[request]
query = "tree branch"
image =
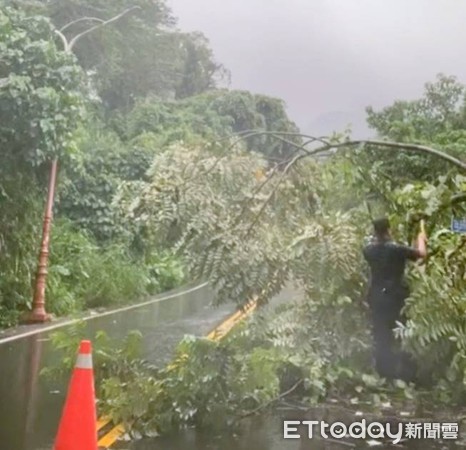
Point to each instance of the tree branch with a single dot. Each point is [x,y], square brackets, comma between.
[326,147]
[82,19]
[329,146]
[458,198]
[394,145]
[274,190]
[265,405]
[102,24]
[258,189]
[319,139]
[63,39]
[281,133]
[290,143]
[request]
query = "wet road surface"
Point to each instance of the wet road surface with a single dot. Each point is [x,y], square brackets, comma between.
[266,433]
[30,406]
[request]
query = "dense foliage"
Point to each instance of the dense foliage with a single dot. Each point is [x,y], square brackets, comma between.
[73,87]
[319,342]
[437,119]
[45,94]
[212,115]
[41,98]
[154,187]
[252,229]
[167,63]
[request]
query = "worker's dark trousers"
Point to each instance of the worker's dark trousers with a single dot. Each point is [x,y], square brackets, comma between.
[386,305]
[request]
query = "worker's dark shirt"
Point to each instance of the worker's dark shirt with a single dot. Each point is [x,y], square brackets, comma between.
[387,261]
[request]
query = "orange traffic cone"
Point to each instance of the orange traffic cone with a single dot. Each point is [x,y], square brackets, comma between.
[78,425]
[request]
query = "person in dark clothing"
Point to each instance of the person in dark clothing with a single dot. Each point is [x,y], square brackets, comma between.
[386,297]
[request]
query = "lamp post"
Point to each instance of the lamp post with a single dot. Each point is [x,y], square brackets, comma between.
[38,313]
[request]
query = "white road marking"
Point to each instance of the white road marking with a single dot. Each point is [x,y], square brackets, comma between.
[106,313]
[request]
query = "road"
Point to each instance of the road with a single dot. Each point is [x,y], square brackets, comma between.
[30,405]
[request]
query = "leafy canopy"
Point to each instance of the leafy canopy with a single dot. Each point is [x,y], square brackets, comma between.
[41,91]
[437,119]
[141,55]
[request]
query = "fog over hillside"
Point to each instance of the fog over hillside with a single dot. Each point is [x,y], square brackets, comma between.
[330,59]
[339,121]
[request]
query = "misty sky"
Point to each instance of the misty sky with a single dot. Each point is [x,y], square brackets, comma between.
[329,59]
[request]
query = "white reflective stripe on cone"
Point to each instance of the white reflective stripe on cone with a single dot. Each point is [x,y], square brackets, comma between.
[84,362]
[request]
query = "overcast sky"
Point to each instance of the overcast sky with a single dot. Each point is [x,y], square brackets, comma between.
[329,59]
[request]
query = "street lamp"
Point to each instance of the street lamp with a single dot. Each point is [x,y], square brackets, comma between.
[38,313]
